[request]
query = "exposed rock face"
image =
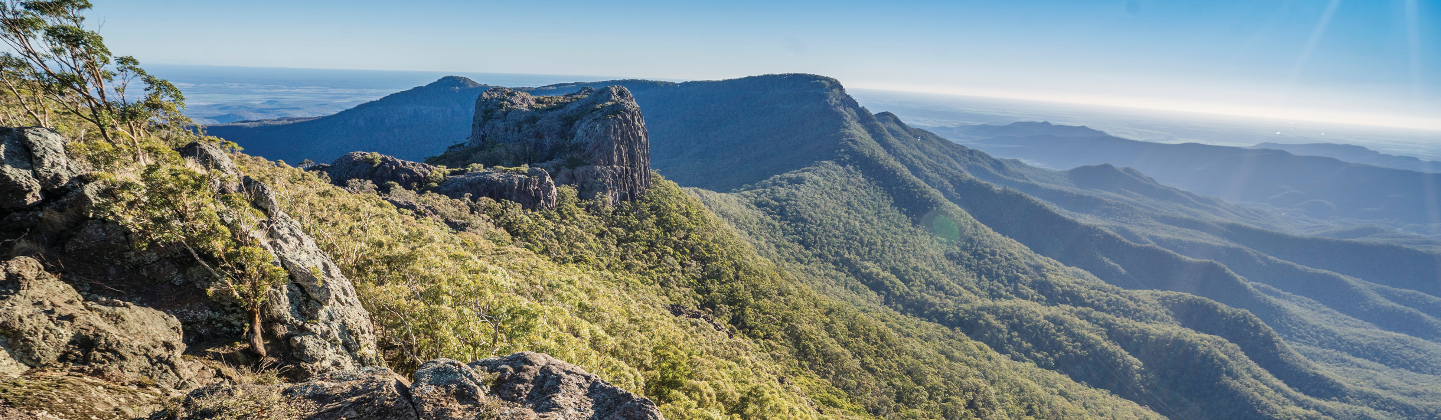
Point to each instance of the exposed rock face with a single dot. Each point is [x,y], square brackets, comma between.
[379,169]
[44,322]
[593,139]
[368,393]
[548,388]
[33,165]
[533,189]
[316,320]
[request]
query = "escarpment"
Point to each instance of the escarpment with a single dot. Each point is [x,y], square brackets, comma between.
[593,139]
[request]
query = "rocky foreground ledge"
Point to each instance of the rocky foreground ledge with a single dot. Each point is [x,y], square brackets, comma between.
[519,386]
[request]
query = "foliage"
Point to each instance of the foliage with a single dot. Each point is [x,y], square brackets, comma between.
[58,62]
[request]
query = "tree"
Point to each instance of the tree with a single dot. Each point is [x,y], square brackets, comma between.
[72,68]
[172,205]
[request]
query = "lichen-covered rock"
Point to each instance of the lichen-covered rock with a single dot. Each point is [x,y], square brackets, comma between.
[44,322]
[447,389]
[211,156]
[552,389]
[533,189]
[316,320]
[367,393]
[32,163]
[379,169]
[594,139]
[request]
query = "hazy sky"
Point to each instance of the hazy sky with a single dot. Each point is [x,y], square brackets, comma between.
[1364,61]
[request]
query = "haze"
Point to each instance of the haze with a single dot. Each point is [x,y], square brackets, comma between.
[1371,62]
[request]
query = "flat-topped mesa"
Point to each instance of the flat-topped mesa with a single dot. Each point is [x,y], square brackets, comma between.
[593,139]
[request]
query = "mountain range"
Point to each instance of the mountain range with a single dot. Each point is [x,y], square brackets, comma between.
[1189,305]
[1355,154]
[1329,190]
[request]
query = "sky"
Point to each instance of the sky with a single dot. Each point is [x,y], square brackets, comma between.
[1375,62]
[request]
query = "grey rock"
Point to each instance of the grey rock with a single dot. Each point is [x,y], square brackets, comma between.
[44,322]
[367,393]
[447,389]
[32,163]
[316,320]
[594,139]
[533,189]
[553,389]
[213,157]
[379,169]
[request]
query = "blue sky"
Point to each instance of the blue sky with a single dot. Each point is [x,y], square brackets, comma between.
[1364,61]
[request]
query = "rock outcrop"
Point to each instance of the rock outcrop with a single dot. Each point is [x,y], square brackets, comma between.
[521,386]
[379,169]
[316,320]
[593,139]
[33,166]
[45,323]
[532,189]
[543,387]
[315,323]
[368,393]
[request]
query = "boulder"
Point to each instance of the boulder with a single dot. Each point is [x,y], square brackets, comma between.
[533,189]
[44,322]
[367,393]
[316,320]
[379,169]
[544,387]
[445,389]
[33,166]
[594,139]
[211,156]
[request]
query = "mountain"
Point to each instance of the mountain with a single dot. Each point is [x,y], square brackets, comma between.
[1313,186]
[1355,154]
[411,125]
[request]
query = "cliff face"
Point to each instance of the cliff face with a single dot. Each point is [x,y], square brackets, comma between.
[593,139]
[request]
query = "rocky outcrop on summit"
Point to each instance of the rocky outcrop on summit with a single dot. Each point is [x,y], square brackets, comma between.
[593,139]
[532,189]
[45,323]
[379,169]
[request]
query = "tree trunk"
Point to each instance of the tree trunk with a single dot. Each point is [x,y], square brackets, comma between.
[257,342]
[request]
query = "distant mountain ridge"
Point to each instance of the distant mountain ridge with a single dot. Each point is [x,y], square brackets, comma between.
[446,107]
[1355,154]
[1023,128]
[1317,186]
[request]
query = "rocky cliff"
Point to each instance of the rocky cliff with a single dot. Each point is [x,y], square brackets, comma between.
[593,139]
[532,188]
